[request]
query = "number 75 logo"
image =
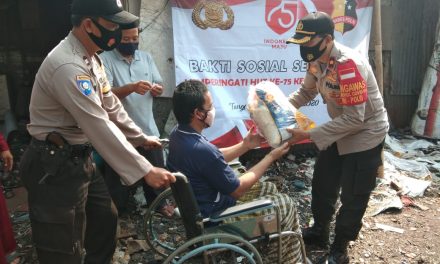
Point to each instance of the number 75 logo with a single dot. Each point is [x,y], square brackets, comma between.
[281,15]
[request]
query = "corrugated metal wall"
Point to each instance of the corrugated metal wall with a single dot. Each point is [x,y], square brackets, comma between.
[413,25]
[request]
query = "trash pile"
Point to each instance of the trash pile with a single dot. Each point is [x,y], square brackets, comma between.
[411,169]
[410,166]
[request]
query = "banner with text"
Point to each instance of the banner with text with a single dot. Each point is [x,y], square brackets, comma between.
[232,44]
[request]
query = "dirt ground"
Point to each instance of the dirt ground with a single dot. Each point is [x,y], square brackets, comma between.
[418,243]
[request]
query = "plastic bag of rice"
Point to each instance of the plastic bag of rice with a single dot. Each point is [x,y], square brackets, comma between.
[272,113]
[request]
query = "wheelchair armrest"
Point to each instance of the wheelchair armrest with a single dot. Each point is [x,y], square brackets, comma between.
[241,209]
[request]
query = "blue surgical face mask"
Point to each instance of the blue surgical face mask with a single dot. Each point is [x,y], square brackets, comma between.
[128,49]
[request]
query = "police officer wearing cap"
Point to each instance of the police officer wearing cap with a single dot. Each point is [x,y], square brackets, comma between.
[72,108]
[350,143]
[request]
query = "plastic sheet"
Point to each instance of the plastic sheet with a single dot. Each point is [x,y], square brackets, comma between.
[408,149]
[410,167]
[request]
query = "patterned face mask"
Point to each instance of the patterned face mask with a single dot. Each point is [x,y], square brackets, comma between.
[109,38]
[309,54]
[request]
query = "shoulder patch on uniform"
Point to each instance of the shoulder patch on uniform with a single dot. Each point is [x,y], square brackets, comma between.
[331,64]
[352,85]
[84,84]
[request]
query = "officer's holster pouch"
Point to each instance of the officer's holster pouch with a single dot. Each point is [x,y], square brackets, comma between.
[55,151]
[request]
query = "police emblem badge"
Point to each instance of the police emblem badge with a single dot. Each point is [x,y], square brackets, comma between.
[84,84]
[300,26]
[214,15]
[344,15]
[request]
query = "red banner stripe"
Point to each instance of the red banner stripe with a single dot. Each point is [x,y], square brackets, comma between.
[189,4]
[228,139]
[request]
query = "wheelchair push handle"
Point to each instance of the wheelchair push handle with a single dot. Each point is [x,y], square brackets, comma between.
[180,177]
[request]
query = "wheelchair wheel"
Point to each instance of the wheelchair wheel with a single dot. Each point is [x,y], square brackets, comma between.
[163,234]
[215,248]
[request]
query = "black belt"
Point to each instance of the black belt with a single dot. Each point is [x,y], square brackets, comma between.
[78,150]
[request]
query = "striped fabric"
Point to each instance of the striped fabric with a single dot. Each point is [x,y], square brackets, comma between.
[291,247]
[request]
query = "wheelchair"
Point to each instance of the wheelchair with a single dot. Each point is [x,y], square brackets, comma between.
[216,239]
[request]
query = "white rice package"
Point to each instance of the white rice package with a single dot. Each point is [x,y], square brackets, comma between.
[272,113]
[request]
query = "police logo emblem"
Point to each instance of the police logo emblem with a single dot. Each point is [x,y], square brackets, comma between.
[214,15]
[300,26]
[345,17]
[84,84]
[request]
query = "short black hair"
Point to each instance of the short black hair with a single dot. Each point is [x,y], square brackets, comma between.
[188,95]
[135,24]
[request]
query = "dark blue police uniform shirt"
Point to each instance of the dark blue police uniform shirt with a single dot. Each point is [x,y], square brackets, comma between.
[203,163]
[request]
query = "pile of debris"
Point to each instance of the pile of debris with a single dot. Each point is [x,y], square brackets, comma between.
[411,168]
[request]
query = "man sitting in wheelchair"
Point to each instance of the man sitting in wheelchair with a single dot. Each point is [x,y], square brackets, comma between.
[215,185]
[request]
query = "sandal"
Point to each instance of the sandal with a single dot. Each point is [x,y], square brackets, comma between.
[16,258]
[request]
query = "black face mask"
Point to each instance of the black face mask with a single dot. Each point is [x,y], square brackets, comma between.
[313,53]
[106,37]
[128,49]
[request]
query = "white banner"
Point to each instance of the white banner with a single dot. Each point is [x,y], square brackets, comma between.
[232,44]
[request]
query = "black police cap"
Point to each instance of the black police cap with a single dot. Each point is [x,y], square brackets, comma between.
[108,9]
[313,24]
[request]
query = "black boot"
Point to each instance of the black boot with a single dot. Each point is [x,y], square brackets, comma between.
[317,235]
[338,253]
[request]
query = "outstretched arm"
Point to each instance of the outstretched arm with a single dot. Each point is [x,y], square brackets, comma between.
[250,141]
[248,179]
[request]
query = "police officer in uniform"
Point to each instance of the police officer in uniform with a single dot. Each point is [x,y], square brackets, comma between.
[350,144]
[72,108]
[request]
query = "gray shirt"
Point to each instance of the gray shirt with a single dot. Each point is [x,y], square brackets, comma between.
[71,95]
[121,72]
[354,103]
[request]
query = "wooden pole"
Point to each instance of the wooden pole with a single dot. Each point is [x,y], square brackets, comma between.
[378,45]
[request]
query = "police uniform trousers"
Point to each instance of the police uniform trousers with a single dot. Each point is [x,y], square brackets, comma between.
[291,247]
[69,205]
[352,177]
[120,192]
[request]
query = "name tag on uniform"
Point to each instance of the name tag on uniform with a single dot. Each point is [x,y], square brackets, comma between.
[99,72]
[84,84]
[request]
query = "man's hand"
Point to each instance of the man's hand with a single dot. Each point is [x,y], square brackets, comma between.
[8,160]
[252,139]
[158,177]
[279,152]
[297,135]
[141,87]
[152,142]
[156,89]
